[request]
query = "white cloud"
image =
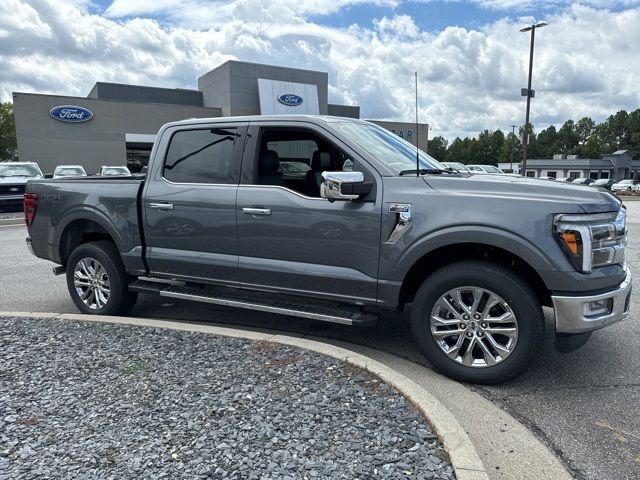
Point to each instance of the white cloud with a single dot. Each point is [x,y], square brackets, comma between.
[586,61]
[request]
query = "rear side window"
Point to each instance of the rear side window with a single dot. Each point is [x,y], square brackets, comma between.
[200,156]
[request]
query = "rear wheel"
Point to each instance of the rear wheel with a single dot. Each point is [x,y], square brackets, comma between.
[97,280]
[477,322]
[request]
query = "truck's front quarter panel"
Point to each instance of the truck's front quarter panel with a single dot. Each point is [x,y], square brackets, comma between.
[521,224]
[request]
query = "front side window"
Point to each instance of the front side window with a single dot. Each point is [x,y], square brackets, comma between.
[200,156]
[387,148]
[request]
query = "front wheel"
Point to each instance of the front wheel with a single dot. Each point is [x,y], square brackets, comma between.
[97,281]
[477,322]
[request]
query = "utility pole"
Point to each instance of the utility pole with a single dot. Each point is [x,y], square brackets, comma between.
[528,93]
[513,136]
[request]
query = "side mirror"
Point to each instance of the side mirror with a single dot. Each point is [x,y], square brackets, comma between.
[343,186]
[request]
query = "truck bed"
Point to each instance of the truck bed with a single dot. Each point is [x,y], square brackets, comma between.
[105,204]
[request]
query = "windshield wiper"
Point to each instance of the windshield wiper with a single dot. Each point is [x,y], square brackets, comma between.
[424,171]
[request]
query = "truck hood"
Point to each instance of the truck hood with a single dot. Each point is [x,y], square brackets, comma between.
[590,199]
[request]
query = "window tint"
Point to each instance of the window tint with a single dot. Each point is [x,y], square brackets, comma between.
[294,150]
[200,156]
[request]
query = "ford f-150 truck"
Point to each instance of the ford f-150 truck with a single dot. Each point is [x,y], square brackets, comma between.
[338,220]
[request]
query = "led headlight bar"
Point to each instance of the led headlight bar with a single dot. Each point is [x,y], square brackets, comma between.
[592,240]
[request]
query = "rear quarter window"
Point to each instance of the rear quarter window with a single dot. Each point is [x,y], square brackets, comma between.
[200,156]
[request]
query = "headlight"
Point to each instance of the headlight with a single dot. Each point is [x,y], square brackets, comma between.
[592,240]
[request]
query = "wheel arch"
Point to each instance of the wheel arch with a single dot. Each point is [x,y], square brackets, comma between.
[80,230]
[443,255]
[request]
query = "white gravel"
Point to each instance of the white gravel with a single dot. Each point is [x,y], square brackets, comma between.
[89,401]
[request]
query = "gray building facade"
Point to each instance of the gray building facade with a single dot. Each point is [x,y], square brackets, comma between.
[123,119]
[617,165]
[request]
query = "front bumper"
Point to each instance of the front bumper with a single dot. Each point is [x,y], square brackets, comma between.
[570,311]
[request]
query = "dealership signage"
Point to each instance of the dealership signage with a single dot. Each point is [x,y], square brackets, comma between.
[71,113]
[290,99]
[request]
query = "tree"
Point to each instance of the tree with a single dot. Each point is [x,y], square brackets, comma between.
[547,142]
[8,144]
[438,148]
[567,137]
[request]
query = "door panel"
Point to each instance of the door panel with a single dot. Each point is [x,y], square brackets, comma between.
[308,245]
[190,227]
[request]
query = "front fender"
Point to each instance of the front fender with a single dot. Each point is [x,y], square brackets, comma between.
[478,234]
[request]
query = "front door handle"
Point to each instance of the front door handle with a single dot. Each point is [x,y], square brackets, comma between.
[161,206]
[262,212]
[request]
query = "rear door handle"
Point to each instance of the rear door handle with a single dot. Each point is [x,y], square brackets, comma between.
[263,212]
[161,206]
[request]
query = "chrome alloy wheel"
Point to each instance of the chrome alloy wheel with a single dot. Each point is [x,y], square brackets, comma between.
[474,326]
[92,283]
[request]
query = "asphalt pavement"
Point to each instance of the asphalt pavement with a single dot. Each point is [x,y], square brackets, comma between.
[584,405]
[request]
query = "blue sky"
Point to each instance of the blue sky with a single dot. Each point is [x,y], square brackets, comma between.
[587,60]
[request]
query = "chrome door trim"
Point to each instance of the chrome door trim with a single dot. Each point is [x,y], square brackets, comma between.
[282,188]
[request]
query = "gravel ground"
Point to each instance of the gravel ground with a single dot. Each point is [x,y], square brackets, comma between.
[84,400]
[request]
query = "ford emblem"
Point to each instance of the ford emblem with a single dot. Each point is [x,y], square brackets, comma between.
[71,113]
[290,99]
[14,189]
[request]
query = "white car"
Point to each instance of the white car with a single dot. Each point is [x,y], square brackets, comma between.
[114,171]
[69,171]
[460,167]
[492,169]
[476,169]
[625,185]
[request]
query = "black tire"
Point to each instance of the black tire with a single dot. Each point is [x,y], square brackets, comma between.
[120,300]
[515,292]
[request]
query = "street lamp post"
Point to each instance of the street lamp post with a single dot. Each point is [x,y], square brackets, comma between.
[529,93]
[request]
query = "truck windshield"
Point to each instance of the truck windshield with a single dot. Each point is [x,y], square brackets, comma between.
[20,170]
[386,147]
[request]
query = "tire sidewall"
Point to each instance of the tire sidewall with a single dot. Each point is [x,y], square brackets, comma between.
[115,274]
[516,293]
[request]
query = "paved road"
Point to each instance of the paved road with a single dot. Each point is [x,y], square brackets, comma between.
[585,405]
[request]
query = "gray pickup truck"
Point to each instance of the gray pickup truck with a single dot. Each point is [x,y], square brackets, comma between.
[329,218]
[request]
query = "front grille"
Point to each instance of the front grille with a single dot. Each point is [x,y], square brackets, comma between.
[11,189]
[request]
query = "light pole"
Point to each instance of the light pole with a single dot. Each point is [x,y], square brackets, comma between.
[528,93]
[426,145]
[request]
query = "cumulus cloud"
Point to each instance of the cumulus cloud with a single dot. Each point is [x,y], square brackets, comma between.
[586,60]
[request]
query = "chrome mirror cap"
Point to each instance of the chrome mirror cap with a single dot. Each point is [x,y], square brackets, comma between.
[331,188]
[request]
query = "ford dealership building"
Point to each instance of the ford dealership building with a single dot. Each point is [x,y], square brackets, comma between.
[116,124]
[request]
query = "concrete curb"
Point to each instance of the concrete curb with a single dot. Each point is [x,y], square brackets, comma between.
[11,222]
[462,453]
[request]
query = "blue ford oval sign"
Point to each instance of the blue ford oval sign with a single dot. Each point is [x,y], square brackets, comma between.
[71,113]
[290,99]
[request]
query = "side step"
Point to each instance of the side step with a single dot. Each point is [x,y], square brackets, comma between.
[335,314]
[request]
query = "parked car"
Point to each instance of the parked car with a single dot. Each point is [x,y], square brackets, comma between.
[492,169]
[69,171]
[628,185]
[215,221]
[13,179]
[547,178]
[565,179]
[604,183]
[583,181]
[460,167]
[476,169]
[114,171]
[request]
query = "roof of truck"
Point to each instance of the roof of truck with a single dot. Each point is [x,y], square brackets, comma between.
[268,118]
